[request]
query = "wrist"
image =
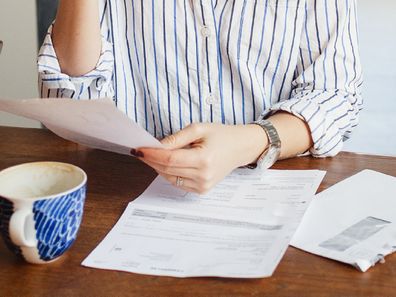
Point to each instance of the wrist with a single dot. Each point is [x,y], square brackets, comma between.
[254,143]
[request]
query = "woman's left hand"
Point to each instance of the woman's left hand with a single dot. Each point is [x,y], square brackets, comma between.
[203,154]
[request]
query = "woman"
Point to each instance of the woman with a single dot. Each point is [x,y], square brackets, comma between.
[200,74]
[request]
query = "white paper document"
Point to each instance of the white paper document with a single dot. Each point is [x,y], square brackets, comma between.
[94,123]
[353,221]
[240,229]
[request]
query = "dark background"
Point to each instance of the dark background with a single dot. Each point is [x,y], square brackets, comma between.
[46,10]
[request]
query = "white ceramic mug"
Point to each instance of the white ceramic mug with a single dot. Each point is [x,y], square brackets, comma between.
[41,208]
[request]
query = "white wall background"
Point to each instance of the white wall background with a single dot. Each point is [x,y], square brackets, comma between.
[375,134]
[18,74]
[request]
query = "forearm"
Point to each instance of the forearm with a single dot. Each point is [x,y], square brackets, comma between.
[76,36]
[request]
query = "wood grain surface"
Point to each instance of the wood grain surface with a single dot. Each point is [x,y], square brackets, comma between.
[114,180]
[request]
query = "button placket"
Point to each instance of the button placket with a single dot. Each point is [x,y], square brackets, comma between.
[208,33]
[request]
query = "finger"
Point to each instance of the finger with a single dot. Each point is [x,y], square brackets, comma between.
[175,171]
[186,158]
[184,137]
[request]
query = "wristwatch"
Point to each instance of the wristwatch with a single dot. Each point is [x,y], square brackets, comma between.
[272,151]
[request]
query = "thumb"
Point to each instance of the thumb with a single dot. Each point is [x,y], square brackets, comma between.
[183,137]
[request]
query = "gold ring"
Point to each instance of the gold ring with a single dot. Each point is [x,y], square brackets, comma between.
[179,181]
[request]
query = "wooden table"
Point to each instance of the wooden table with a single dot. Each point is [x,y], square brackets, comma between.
[115,180]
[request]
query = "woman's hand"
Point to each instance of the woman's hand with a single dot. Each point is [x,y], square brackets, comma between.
[203,154]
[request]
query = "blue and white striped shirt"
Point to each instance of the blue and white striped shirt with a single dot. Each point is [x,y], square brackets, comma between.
[168,63]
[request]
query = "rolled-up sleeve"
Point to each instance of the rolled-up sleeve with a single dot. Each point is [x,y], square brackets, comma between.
[54,83]
[327,87]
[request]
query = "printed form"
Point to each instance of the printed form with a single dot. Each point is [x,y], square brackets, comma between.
[240,229]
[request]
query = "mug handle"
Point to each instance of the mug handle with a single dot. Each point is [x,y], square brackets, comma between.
[20,228]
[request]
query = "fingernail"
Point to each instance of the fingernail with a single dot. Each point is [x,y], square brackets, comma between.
[139,154]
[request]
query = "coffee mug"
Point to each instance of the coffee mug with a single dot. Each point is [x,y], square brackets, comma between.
[41,208]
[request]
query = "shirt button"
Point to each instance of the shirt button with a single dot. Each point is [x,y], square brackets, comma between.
[205,31]
[211,99]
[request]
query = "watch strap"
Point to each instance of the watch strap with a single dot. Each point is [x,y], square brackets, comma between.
[271,153]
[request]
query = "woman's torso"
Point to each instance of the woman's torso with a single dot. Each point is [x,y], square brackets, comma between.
[183,61]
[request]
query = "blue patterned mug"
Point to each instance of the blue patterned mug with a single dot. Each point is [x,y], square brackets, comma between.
[41,207]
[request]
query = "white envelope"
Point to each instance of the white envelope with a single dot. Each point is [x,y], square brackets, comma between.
[353,222]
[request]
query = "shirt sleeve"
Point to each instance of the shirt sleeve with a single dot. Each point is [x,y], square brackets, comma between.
[326,90]
[54,83]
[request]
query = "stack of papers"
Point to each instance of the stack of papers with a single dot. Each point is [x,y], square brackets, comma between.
[240,229]
[353,221]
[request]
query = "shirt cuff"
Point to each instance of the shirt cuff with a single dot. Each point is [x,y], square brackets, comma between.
[326,136]
[53,78]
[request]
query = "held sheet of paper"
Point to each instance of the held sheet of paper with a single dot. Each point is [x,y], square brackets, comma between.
[240,229]
[94,123]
